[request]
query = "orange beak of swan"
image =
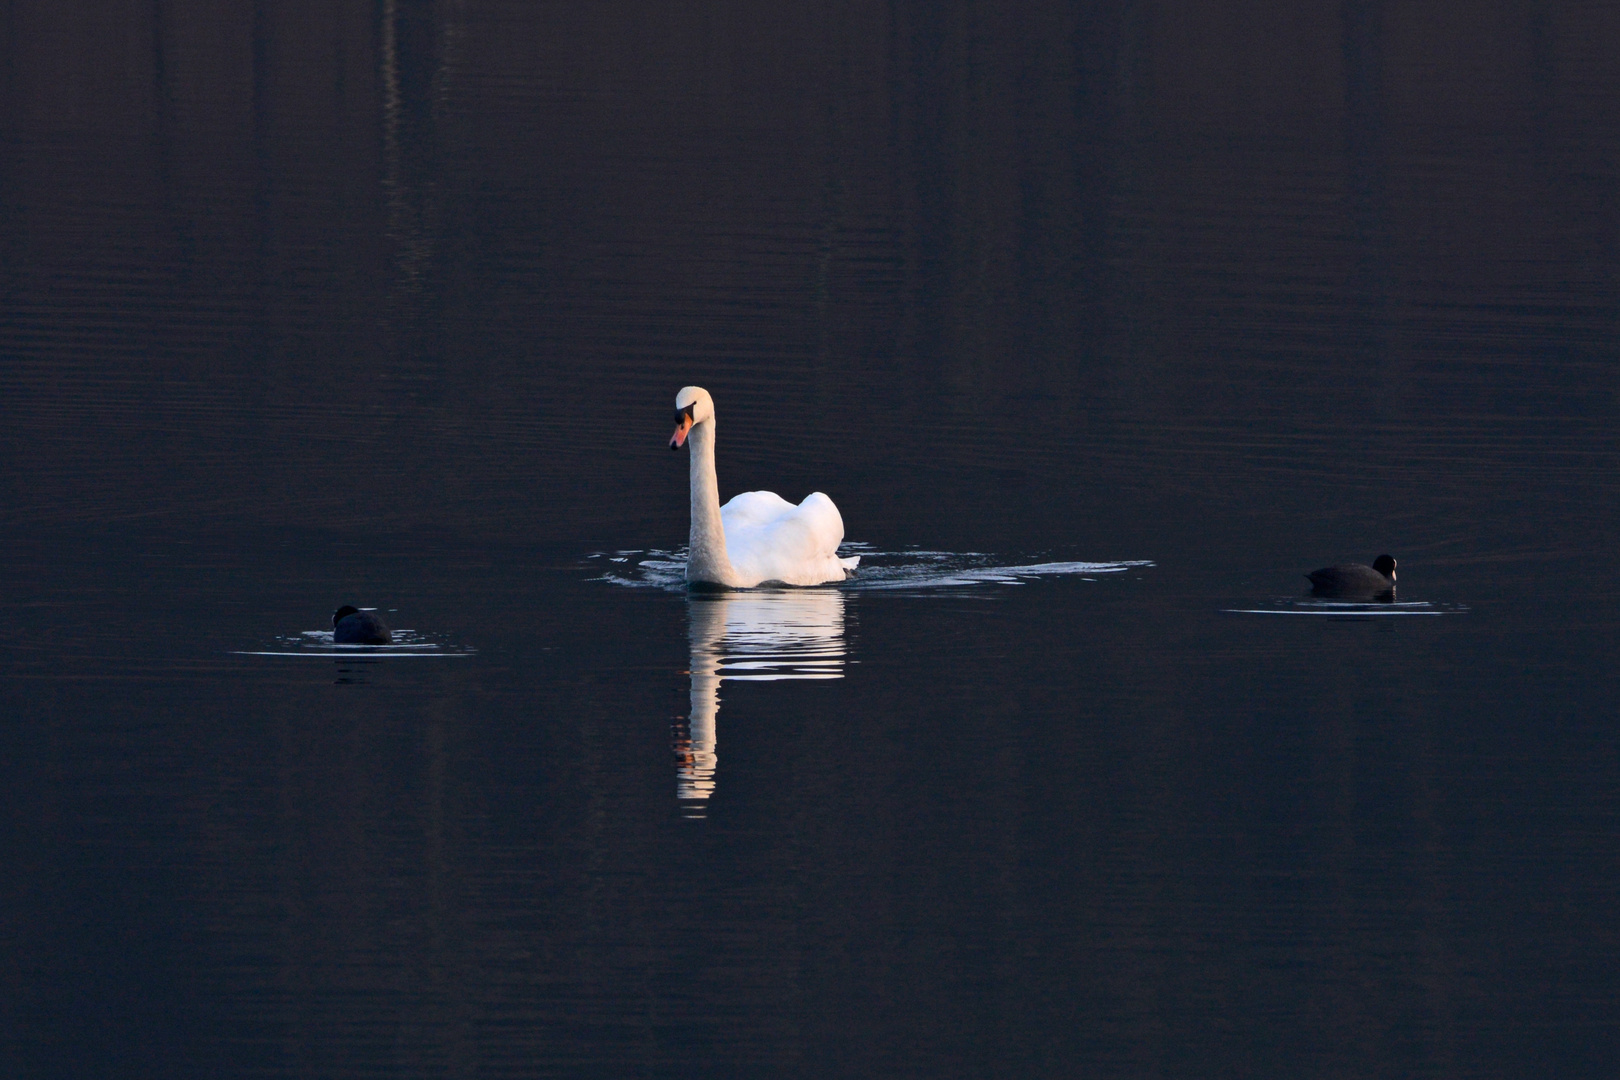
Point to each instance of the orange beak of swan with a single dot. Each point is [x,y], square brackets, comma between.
[682,426]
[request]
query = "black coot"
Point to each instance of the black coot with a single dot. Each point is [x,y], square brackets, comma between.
[1356,579]
[351,626]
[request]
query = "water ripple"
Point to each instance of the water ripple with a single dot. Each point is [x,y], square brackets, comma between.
[911,570]
[319,644]
[1351,608]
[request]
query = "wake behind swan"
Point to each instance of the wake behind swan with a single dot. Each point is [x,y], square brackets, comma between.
[914,570]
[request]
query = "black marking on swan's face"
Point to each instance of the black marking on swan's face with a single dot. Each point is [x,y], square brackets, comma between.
[684,422]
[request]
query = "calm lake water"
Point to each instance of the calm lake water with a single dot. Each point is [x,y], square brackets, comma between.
[1101,324]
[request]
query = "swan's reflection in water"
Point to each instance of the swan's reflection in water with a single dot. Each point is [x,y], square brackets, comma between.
[758,636]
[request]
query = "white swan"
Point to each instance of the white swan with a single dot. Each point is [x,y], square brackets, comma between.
[757,536]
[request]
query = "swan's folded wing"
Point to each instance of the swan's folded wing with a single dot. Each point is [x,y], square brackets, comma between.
[797,545]
[752,509]
[824,521]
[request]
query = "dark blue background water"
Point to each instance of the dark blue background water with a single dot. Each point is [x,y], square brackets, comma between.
[388,303]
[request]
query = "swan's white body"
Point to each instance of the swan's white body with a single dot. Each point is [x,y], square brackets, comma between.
[757,536]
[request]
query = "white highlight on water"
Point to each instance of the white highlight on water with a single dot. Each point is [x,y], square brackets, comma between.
[912,571]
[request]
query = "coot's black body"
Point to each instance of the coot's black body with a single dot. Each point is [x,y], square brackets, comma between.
[1356,579]
[351,626]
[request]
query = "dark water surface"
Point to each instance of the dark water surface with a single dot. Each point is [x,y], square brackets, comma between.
[1102,324]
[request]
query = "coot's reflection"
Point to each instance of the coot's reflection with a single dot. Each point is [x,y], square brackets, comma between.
[759,636]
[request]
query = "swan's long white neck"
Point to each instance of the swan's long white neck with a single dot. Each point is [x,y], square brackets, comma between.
[707,559]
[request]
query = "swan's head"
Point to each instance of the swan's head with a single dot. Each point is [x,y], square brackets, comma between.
[1385,565]
[693,406]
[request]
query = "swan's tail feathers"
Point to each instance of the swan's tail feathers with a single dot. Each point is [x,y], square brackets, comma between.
[850,564]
